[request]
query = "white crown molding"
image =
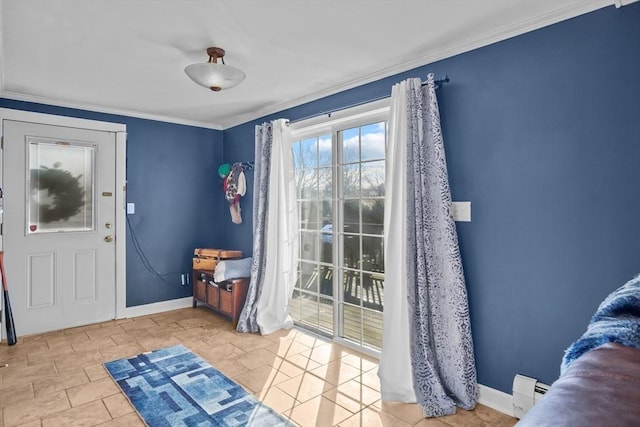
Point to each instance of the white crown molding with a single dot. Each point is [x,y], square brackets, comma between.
[563,13]
[107,110]
[620,3]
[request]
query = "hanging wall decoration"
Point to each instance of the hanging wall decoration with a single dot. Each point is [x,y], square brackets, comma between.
[235,186]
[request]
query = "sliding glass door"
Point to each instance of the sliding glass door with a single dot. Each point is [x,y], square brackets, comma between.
[312,304]
[340,175]
[360,206]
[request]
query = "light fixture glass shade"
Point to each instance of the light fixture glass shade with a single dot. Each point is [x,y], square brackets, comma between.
[214,76]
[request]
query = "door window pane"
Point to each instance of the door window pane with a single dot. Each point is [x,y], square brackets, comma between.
[373,141]
[326,314]
[309,245]
[372,181]
[351,251]
[324,182]
[326,280]
[326,242]
[351,181]
[372,327]
[352,323]
[309,310]
[307,183]
[372,216]
[351,216]
[309,153]
[297,160]
[309,215]
[372,253]
[307,277]
[350,145]
[325,151]
[61,187]
[294,305]
[326,211]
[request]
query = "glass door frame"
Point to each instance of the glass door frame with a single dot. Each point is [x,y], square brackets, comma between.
[316,127]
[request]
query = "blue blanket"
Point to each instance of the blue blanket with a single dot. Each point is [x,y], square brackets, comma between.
[616,320]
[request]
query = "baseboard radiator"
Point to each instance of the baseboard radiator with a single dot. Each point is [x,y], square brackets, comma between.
[526,393]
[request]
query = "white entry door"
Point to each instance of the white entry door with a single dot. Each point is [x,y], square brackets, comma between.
[59,223]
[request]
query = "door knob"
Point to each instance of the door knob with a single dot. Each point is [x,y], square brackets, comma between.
[108,238]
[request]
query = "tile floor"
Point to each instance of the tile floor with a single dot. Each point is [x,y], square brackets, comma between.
[57,379]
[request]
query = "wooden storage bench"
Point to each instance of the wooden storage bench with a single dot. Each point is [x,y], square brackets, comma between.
[226,298]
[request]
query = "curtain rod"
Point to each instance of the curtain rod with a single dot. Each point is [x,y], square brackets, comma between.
[438,83]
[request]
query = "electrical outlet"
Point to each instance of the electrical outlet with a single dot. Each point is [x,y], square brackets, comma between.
[461,211]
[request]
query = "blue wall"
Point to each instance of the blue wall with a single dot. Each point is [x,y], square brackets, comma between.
[542,133]
[543,136]
[171,178]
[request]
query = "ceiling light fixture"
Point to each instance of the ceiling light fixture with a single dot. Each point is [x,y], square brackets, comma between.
[213,75]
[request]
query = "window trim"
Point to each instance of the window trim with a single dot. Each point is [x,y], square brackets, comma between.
[327,123]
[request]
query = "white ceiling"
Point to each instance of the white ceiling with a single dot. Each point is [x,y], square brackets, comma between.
[128,56]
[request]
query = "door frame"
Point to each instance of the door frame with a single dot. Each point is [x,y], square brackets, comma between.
[120,131]
[356,116]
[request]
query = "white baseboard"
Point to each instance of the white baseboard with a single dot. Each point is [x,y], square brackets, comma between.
[158,307]
[495,399]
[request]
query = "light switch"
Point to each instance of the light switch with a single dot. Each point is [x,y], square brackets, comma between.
[461,211]
[131,208]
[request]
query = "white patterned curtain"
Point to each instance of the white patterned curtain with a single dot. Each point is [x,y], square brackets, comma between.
[426,316]
[275,233]
[396,380]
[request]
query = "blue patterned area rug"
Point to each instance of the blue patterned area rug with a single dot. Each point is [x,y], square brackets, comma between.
[174,387]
